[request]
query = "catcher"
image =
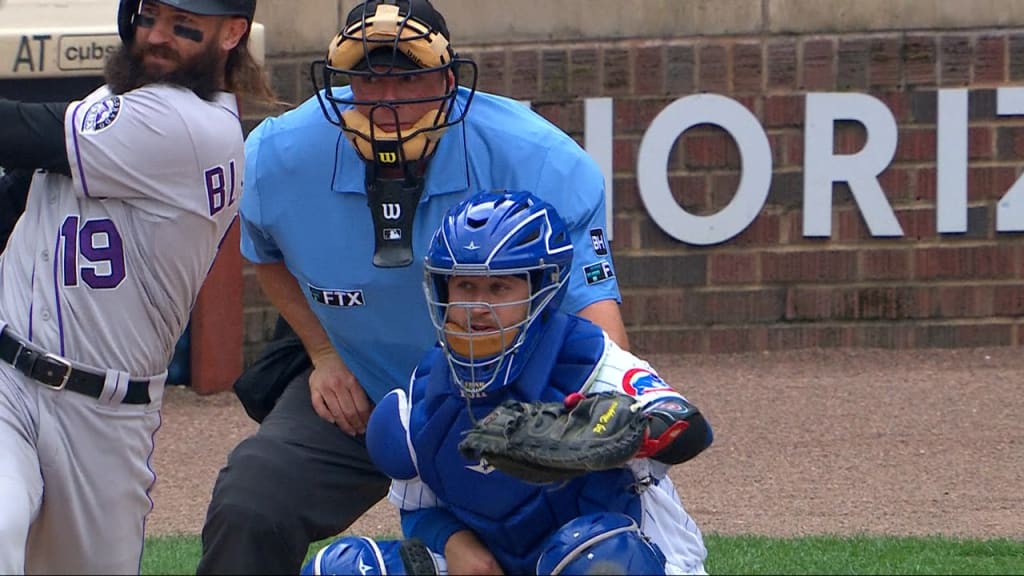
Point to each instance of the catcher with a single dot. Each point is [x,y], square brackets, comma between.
[473,444]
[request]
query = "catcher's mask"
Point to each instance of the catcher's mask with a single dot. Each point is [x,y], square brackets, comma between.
[128,10]
[391,39]
[496,234]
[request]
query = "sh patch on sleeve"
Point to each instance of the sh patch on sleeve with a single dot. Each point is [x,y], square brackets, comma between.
[101,115]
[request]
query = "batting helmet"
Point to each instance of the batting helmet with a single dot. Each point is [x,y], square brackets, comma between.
[390,38]
[497,234]
[128,9]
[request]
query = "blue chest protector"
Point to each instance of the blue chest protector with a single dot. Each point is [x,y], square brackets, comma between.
[512,518]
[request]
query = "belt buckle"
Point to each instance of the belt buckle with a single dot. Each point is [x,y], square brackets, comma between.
[67,371]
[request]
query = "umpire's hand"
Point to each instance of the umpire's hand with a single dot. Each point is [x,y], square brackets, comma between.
[337,396]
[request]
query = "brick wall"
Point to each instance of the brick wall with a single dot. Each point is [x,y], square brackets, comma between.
[771,287]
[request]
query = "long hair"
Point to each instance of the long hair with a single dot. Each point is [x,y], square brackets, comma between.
[245,78]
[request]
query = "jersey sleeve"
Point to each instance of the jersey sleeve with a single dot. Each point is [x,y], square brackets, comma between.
[622,372]
[256,244]
[137,145]
[576,189]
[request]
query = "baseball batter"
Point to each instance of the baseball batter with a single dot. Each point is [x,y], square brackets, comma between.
[100,274]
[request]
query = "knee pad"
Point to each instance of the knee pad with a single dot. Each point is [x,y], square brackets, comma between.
[602,543]
[365,556]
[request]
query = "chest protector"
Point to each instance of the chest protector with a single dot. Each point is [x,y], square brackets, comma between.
[511,517]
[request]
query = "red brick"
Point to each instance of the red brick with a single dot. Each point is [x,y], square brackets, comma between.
[916,145]
[850,137]
[617,72]
[524,73]
[1007,300]
[819,65]
[728,340]
[899,104]
[974,263]
[554,74]
[668,341]
[1016,57]
[808,336]
[782,64]
[584,72]
[885,264]
[794,149]
[825,266]
[920,61]
[820,303]
[691,192]
[954,60]
[891,303]
[963,335]
[722,189]
[980,143]
[713,69]
[852,64]
[649,71]
[624,154]
[962,301]
[897,183]
[764,231]
[624,240]
[989,182]
[990,60]
[627,194]
[887,336]
[747,68]
[492,72]
[783,111]
[850,226]
[886,63]
[664,308]
[681,68]
[917,223]
[925,184]
[734,268]
[1010,142]
[705,150]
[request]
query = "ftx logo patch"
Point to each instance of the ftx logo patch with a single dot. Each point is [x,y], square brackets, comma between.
[598,272]
[337,298]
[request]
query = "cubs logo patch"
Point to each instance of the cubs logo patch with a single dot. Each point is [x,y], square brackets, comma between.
[101,115]
[598,272]
[337,298]
[598,241]
[640,381]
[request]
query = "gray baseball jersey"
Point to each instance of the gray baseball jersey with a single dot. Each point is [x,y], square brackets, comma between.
[103,269]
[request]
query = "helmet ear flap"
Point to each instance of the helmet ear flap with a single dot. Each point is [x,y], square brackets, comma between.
[126,12]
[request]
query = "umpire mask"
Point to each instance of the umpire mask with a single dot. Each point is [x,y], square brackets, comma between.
[387,40]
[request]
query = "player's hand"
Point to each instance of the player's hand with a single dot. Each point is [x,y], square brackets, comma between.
[337,396]
[465,554]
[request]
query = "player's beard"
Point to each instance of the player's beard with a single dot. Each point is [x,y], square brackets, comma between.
[125,70]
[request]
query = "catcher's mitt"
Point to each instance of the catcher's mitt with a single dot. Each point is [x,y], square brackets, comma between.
[551,441]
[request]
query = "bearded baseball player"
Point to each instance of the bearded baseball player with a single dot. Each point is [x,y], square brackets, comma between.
[135,187]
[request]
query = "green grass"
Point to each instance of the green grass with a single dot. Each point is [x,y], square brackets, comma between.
[756,555]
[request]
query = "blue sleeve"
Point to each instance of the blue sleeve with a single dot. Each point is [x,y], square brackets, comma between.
[433,526]
[574,185]
[256,244]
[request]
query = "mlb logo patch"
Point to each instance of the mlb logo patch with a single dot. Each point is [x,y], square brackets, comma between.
[598,272]
[597,239]
[392,233]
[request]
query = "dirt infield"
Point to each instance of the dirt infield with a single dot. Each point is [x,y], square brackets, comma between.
[806,442]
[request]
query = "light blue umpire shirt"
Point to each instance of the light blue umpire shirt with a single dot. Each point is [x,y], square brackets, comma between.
[304,202]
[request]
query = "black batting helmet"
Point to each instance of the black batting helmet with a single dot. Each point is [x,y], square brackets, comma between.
[129,8]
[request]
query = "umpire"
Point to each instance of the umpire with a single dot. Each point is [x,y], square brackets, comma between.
[341,197]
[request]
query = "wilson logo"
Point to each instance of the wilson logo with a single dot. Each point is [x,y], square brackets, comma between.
[387,157]
[391,211]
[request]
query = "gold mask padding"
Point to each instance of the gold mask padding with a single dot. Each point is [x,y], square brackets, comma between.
[419,146]
[348,49]
[473,346]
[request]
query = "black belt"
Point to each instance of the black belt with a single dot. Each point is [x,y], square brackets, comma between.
[57,373]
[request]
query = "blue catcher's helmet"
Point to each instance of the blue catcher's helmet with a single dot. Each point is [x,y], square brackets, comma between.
[600,543]
[496,234]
